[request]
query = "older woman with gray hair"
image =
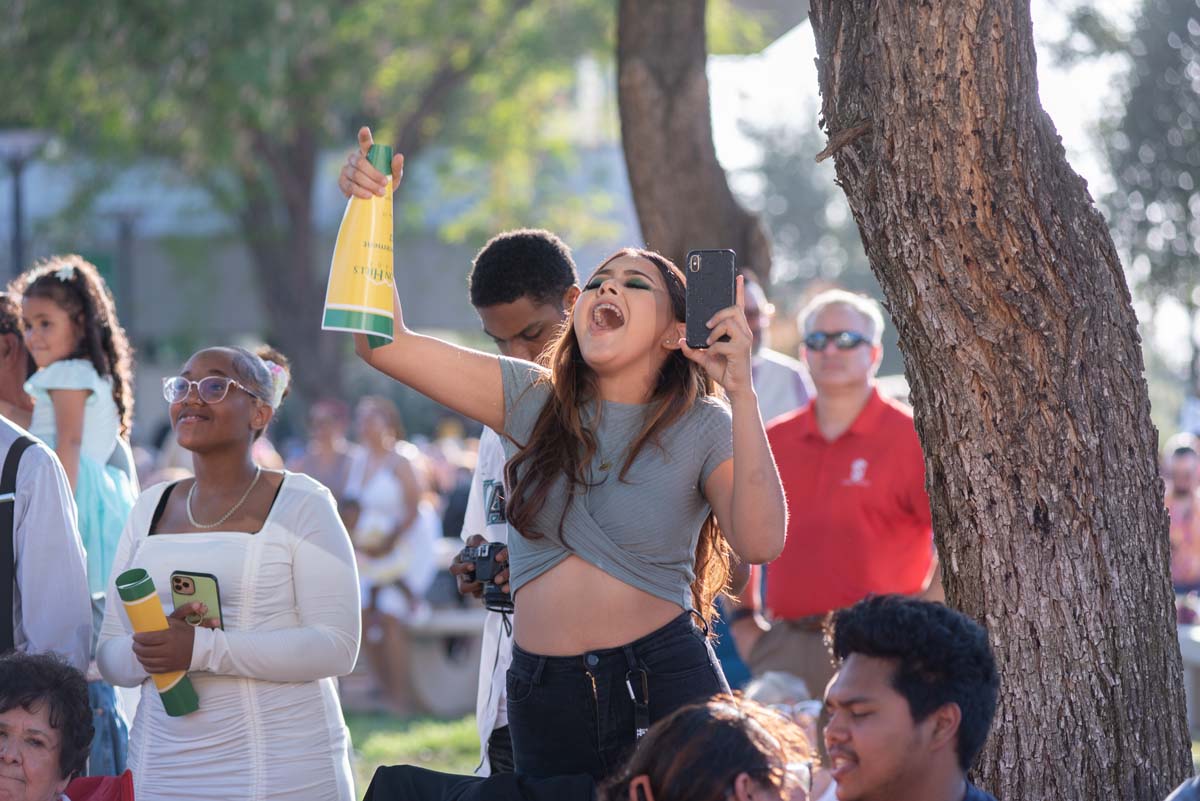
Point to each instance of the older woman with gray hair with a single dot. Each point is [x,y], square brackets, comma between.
[45,726]
[280,620]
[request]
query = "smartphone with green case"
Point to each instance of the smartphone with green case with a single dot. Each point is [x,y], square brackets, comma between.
[187,587]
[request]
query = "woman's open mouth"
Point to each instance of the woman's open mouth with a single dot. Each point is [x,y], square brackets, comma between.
[606,317]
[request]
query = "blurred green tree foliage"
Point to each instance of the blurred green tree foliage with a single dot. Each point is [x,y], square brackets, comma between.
[1153,148]
[812,233]
[245,96]
[815,242]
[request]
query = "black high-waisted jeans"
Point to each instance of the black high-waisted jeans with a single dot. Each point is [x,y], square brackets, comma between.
[574,714]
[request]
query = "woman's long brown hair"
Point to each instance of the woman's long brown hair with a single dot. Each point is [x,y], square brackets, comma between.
[697,752]
[562,445]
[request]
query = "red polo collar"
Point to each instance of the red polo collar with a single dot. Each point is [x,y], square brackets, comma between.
[865,424]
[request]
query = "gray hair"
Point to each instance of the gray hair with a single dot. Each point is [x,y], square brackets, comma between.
[867,307]
[265,374]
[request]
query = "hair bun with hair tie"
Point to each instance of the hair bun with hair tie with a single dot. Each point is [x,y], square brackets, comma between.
[279,382]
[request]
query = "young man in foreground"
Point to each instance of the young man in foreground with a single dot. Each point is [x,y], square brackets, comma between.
[911,704]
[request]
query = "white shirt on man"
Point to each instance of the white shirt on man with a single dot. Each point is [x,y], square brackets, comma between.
[52,610]
[485,516]
[781,383]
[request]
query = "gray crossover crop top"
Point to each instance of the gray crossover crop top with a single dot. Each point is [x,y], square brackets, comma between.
[642,530]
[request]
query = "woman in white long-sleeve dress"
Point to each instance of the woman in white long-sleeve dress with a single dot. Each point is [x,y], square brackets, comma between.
[269,724]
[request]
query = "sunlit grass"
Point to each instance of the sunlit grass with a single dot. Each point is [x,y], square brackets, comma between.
[451,746]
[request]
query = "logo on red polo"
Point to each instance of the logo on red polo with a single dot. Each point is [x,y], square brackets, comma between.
[858,474]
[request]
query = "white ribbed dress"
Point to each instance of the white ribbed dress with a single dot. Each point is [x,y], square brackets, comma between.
[269,725]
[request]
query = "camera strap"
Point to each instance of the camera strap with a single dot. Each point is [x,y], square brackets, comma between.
[8,545]
[638,683]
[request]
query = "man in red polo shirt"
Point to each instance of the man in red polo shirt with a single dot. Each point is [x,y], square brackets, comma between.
[854,476]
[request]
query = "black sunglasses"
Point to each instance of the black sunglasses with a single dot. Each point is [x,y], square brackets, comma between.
[842,340]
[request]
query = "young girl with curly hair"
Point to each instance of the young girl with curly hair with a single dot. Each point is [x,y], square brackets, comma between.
[83,402]
[83,396]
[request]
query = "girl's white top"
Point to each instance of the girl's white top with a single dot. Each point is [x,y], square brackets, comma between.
[101,420]
[269,724]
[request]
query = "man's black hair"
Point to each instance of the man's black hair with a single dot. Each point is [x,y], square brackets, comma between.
[941,655]
[1184,450]
[30,680]
[10,314]
[10,323]
[526,263]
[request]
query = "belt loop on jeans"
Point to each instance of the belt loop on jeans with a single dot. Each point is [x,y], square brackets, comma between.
[703,623]
[537,671]
[638,684]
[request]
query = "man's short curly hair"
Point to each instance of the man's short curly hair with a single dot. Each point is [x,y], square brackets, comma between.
[525,263]
[30,680]
[941,655]
[10,323]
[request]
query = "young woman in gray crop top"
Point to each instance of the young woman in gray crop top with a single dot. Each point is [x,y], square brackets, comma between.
[628,483]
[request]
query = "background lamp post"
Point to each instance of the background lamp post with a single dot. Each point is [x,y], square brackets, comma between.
[17,147]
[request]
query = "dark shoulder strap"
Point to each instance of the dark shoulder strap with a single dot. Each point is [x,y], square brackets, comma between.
[8,552]
[162,507]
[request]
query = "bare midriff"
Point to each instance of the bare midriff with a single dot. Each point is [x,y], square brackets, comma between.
[576,607]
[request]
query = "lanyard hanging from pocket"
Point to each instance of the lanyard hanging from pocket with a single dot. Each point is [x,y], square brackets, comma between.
[637,681]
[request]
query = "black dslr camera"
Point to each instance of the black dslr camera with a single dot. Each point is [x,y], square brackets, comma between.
[484,569]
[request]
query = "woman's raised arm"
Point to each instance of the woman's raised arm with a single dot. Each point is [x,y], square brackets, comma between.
[465,380]
[745,492]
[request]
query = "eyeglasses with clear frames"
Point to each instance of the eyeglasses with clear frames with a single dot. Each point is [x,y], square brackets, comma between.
[210,389]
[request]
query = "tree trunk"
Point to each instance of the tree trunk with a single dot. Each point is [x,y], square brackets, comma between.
[279,232]
[681,194]
[1022,349]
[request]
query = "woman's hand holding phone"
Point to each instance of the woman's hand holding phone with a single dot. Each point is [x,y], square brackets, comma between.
[728,363]
[171,649]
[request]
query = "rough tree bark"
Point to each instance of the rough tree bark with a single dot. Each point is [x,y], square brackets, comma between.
[681,194]
[1022,349]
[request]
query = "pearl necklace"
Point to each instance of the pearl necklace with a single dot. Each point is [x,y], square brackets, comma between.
[227,515]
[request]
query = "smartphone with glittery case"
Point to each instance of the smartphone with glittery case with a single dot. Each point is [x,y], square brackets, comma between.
[187,587]
[710,288]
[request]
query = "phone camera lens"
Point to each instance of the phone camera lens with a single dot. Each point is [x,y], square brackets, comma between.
[694,264]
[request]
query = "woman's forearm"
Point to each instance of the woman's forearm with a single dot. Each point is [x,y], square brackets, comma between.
[465,380]
[759,511]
